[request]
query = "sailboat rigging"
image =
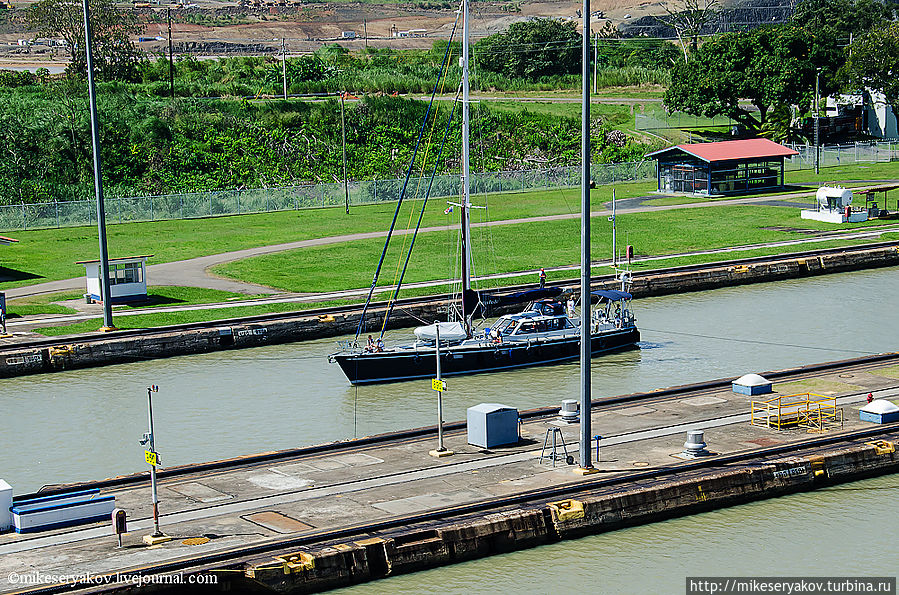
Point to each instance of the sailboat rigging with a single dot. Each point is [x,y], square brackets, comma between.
[545,332]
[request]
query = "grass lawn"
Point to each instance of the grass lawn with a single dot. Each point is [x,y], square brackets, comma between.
[520,247]
[41,304]
[158,296]
[860,171]
[50,254]
[187,316]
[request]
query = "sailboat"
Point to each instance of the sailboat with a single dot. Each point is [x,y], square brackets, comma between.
[546,331]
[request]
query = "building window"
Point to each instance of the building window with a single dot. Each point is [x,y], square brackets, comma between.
[129,272]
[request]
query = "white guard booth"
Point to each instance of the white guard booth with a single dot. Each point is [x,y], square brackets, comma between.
[127,279]
[834,206]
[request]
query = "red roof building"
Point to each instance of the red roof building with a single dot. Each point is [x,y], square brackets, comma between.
[726,167]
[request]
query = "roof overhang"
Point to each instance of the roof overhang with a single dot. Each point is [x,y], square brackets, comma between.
[730,150]
[119,259]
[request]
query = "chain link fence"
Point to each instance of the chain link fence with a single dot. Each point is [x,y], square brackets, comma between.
[845,154]
[263,200]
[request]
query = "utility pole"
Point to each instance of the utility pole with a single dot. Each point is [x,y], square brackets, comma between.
[365,32]
[437,384]
[595,59]
[152,458]
[586,466]
[284,67]
[168,12]
[346,183]
[612,219]
[98,177]
[817,124]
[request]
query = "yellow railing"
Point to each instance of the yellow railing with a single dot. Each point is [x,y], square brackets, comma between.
[804,410]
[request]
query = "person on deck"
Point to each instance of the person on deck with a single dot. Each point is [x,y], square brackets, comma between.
[371,344]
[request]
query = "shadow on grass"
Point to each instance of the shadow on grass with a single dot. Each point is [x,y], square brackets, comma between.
[14,275]
[156,300]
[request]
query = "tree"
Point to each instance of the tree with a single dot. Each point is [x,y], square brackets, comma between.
[769,67]
[689,21]
[532,49]
[840,19]
[874,62]
[115,55]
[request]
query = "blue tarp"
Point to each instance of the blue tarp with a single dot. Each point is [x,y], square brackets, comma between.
[610,295]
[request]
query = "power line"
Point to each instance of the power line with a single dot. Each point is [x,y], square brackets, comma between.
[756,342]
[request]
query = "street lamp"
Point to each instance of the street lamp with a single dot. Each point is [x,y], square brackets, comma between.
[98,179]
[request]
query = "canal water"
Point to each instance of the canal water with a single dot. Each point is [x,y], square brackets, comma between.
[85,424]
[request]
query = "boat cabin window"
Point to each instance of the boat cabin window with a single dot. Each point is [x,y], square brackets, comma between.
[504,326]
[548,308]
[526,327]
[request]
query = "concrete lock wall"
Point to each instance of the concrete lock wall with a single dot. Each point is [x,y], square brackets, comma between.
[90,351]
[339,564]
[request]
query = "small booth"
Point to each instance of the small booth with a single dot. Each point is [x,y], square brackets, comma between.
[721,168]
[127,279]
[834,205]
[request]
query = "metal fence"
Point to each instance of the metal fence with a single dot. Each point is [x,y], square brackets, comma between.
[263,200]
[845,154]
[653,119]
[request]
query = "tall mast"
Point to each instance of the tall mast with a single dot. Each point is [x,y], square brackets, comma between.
[466,179]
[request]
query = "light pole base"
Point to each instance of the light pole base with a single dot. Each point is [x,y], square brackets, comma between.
[441,453]
[107,329]
[586,470]
[156,539]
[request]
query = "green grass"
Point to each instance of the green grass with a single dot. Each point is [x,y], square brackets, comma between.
[168,295]
[861,171]
[158,296]
[520,247]
[50,254]
[184,317]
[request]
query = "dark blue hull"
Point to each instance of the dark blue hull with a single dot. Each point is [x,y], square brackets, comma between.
[409,364]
